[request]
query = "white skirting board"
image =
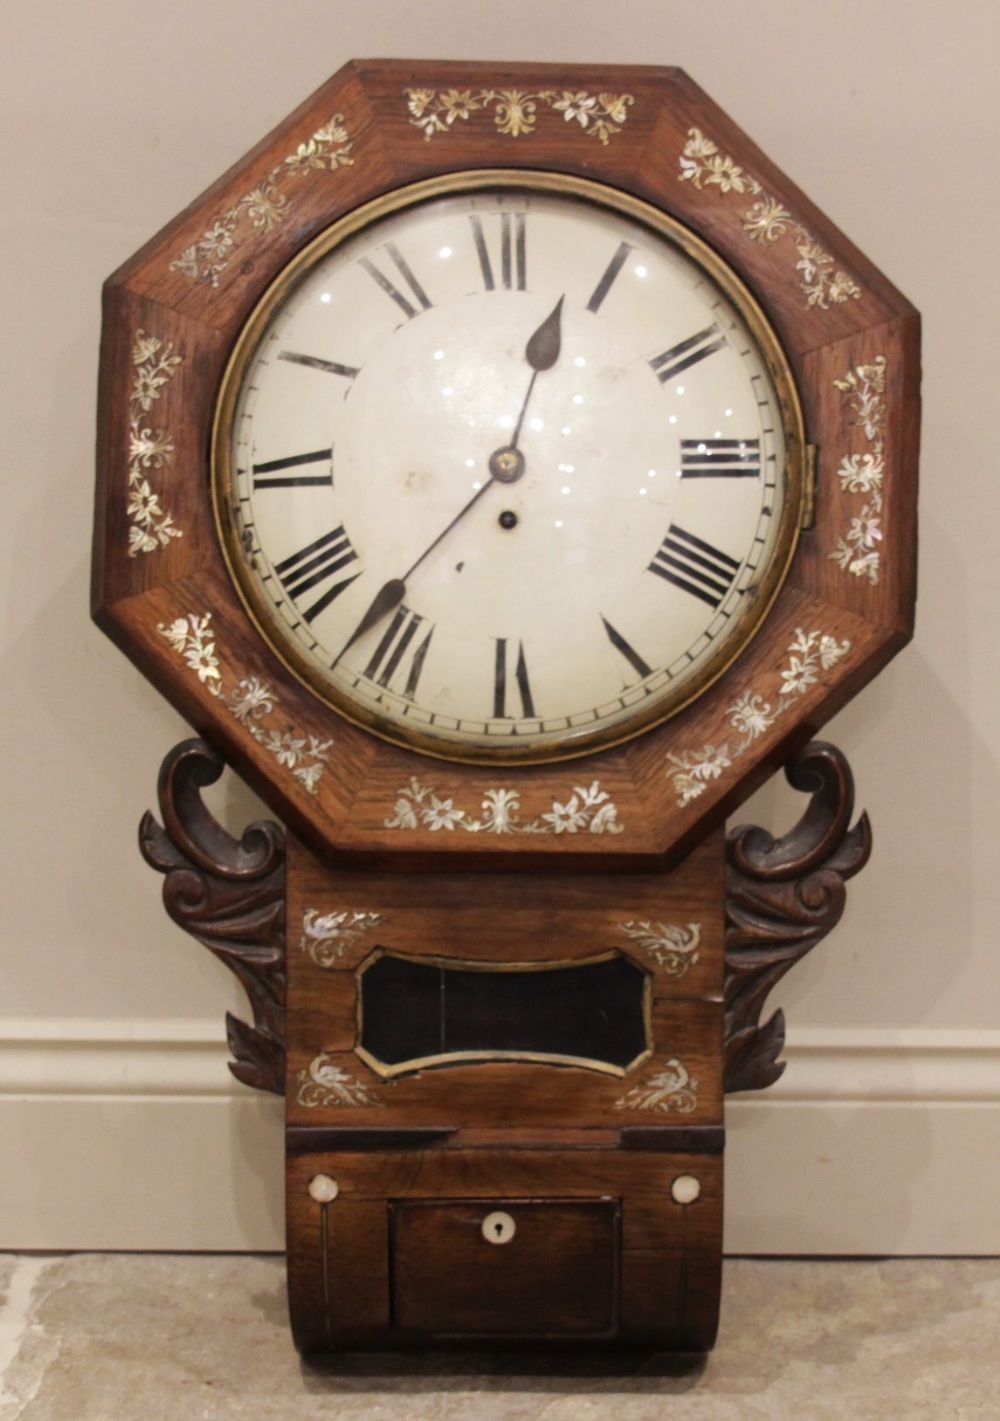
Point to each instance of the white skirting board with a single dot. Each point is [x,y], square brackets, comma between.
[135,1136]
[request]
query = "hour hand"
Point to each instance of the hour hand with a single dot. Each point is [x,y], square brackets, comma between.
[388,597]
[542,350]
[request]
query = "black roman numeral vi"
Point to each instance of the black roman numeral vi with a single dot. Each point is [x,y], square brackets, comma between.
[317,563]
[520,679]
[694,565]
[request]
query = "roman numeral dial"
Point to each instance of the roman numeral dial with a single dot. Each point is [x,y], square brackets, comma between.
[507,468]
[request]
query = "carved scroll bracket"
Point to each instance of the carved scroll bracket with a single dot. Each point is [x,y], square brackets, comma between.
[229,894]
[782,897]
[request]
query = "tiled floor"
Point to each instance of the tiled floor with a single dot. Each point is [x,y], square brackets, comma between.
[118,1337]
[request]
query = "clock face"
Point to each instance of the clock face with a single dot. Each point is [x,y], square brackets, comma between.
[508,467]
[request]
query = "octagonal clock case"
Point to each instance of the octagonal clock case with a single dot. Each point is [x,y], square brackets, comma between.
[504,469]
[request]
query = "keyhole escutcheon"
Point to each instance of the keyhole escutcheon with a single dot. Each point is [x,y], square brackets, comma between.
[498,1227]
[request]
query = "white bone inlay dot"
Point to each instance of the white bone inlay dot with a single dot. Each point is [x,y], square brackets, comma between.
[685,1189]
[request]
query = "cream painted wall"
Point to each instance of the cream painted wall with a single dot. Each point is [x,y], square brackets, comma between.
[112,117]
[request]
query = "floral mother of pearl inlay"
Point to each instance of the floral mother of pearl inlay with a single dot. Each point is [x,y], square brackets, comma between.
[327,936]
[864,389]
[750,715]
[672,948]
[515,111]
[149,449]
[265,205]
[323,1082]
[252,703]
[589,810]
[766,221]
[670,1090]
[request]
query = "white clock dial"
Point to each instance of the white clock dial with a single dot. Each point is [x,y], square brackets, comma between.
[509,472]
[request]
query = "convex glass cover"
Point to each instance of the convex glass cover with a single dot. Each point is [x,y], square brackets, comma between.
[508,467]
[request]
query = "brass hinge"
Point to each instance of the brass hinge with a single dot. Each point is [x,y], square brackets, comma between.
[811,476]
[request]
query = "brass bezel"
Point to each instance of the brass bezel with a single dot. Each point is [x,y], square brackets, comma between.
[577,742]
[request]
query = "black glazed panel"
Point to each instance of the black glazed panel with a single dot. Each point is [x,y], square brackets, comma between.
[415,1011]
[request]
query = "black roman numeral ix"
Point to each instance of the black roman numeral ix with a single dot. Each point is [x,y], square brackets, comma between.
[268,475]
[520,678]
[687,353]
[397,649]
[313,362]
[317,563]
[694,565]
[403,267]
[513,251]
[720,458]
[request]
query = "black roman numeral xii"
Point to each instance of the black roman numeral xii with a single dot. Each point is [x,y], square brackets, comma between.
[513,251]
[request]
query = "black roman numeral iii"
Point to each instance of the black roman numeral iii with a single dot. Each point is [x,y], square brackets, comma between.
[513,251]
[720,458]
[520,679]
[317,563]
[405,645]
[403,267]
[687,353]
[694,565]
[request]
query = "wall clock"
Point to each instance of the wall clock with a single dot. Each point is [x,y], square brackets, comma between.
[505,468]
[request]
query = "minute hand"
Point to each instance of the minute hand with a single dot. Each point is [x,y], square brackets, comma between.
[541,353]
[506,466]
